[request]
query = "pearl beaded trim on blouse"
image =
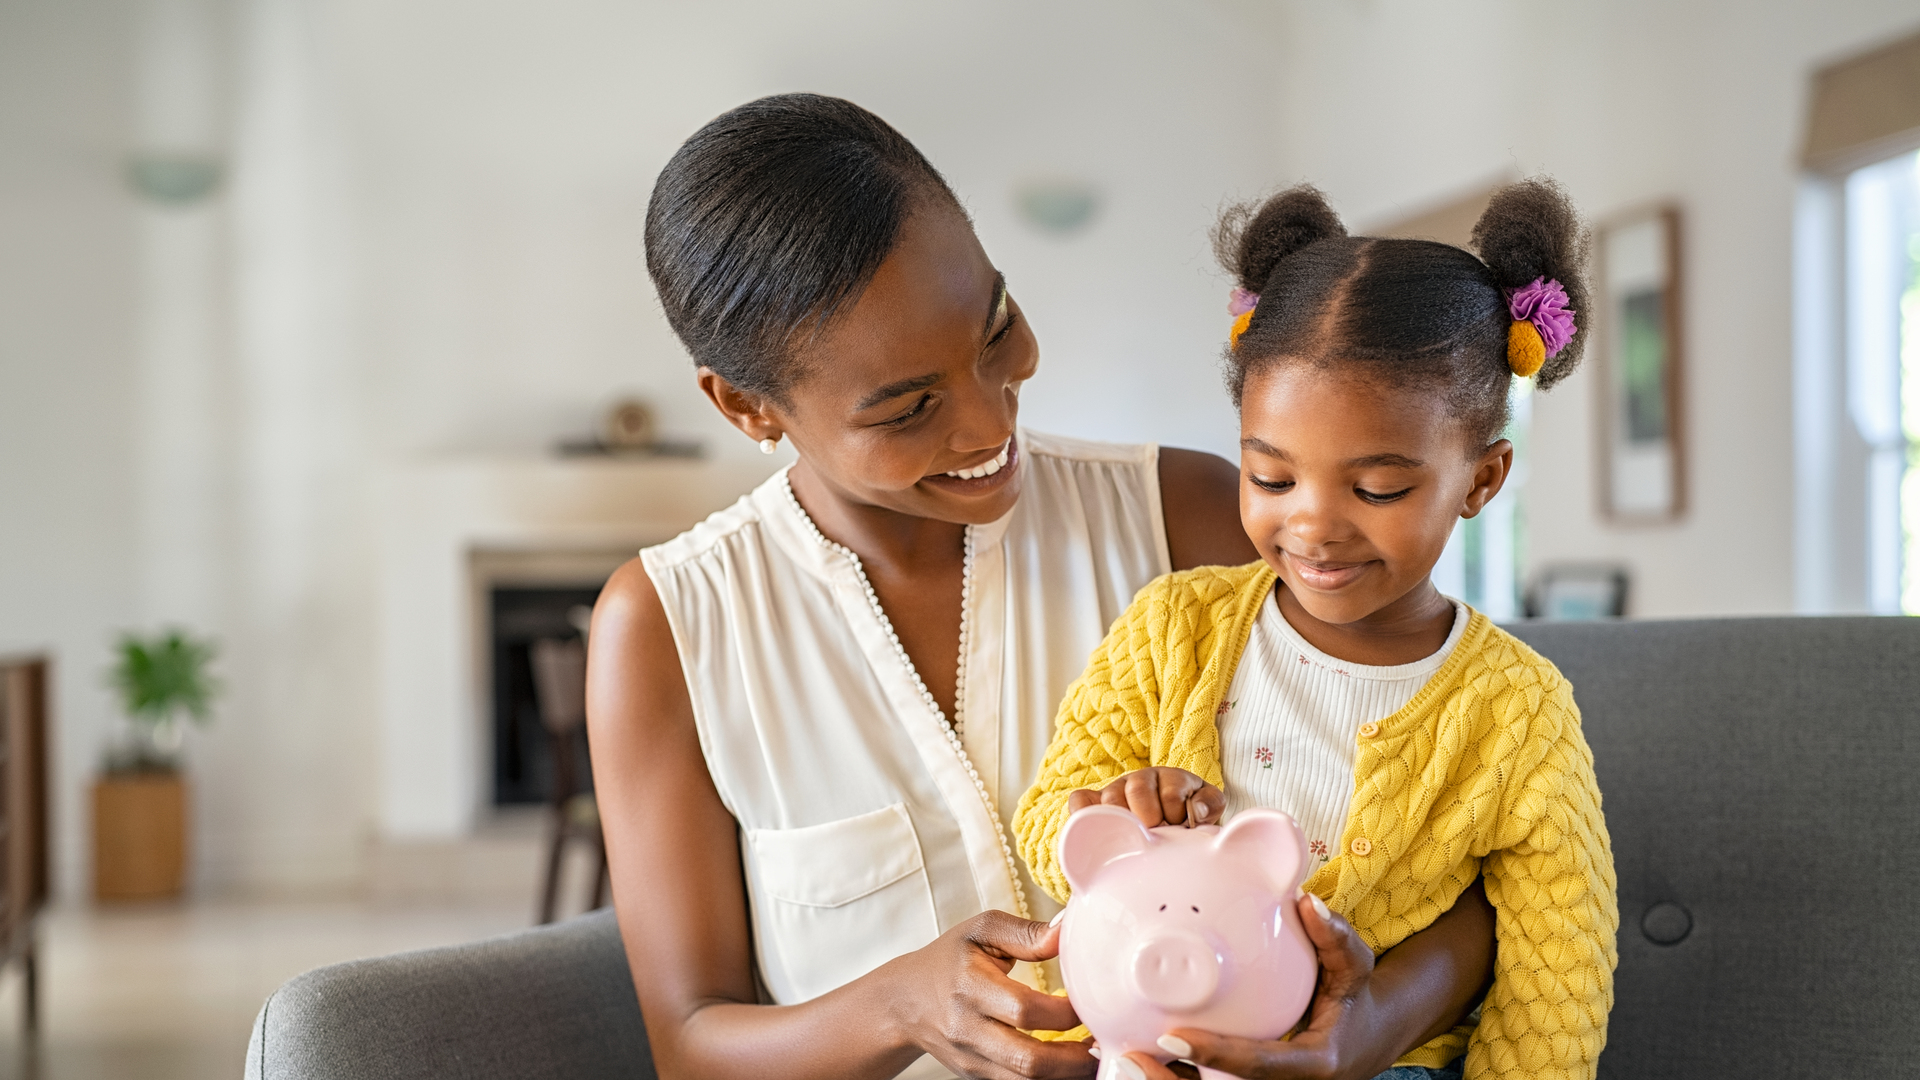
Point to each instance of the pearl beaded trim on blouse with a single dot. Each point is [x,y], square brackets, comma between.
[952,727]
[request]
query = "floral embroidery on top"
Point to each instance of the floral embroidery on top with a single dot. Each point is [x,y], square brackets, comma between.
[1319,848]
[1221,710]
[1264,756]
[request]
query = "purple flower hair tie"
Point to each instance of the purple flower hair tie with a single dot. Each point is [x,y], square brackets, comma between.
[1544,304]
[1240,301]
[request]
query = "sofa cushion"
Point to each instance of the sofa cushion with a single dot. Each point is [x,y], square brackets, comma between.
[1760,781]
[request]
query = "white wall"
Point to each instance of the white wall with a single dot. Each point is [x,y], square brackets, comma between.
[1391,104]
[68,415]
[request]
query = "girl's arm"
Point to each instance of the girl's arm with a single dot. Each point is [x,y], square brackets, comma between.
[678,890]
[1550,878]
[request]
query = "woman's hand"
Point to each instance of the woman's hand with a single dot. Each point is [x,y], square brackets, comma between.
[958,1003]
[1157,796]
[1350,1033]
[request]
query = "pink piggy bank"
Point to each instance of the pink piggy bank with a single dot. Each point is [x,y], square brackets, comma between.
[1176,927]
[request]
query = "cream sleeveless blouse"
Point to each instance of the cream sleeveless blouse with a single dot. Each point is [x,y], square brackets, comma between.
[867,827]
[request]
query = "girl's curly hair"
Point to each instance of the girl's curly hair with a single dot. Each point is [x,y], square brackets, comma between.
[1414,312]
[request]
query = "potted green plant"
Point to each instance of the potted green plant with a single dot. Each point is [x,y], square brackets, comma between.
[140,800]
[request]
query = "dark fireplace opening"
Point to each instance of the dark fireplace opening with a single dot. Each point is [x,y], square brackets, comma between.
[524,766]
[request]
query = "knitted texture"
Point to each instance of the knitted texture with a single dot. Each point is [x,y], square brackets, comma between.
[1484,773]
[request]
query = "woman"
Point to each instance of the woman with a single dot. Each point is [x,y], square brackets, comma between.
[807,711]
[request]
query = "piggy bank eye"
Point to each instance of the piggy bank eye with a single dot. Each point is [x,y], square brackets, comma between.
[1196,911]
[1163,907]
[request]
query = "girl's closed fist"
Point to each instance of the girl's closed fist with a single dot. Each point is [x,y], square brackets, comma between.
[1158,796]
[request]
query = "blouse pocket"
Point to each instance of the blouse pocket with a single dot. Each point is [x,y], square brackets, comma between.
[843,897]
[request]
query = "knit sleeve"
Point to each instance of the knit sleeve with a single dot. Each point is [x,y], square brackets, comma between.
[1101,731]
[1551,881]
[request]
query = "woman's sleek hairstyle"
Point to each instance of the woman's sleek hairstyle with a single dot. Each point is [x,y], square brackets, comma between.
[771,220]
[1415,313]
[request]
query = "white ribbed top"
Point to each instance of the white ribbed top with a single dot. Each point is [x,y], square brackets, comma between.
[1289,724]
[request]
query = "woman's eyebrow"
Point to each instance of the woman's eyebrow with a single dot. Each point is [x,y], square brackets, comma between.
[895,389]
[999,305]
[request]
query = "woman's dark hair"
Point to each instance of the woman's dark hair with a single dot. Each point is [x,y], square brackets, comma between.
[771,220]
[1414,312]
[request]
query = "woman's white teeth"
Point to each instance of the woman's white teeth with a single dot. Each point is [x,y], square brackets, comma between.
[986,468]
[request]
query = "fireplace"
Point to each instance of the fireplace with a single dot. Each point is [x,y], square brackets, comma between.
[524,768]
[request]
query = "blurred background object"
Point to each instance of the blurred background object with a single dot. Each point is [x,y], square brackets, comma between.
[299,297]
[1578,592]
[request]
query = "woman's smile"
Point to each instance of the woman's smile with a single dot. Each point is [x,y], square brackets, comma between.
[983,477]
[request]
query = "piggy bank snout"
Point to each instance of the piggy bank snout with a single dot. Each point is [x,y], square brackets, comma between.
[1177,971]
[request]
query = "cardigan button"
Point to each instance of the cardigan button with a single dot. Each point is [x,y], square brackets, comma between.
[1361,846]
[1369,729]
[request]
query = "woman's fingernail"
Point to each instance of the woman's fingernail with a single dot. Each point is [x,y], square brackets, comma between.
[1175,1045]
[1131,1069]
[1095,1051]
[1055,921]
[1320,908]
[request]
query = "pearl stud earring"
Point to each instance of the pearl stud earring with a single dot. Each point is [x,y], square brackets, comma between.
[767,445]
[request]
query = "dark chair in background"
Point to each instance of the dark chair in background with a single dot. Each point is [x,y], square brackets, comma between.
[560,686]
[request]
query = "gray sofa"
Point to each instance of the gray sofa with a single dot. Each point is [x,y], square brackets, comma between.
[1762,786]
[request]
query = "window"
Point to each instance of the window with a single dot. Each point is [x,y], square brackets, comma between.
[1857,390]
[1856,377]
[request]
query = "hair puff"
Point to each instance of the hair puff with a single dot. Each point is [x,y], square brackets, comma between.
[1252,239]
[1530,230]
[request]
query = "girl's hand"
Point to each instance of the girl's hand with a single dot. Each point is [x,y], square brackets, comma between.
[964,1009]
[1342,1039]
[1157,796]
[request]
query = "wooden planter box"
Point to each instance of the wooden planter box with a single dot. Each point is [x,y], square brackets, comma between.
[139,836]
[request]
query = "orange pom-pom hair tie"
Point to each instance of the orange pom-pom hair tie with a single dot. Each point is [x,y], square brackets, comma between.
[1526,352]
[1240,305]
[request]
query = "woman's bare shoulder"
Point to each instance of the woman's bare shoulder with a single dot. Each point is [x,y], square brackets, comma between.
[1200,500]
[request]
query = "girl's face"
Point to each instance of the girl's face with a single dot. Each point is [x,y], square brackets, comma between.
[1350,488]
[920,379]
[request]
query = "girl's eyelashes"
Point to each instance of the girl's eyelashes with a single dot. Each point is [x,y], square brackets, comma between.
[901,420]
[1379,497]
[1275,486]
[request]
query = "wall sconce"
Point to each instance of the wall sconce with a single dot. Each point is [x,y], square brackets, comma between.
[174,178]
[1059,207]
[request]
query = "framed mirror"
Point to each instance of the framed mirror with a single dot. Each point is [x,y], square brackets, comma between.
[1643,474]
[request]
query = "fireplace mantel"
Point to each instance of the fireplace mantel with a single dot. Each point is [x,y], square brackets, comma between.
[442,517]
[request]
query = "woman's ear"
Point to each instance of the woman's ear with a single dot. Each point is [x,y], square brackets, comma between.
[1489,476]
[750,412]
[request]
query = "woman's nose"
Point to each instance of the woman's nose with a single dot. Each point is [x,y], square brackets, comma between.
[987,415]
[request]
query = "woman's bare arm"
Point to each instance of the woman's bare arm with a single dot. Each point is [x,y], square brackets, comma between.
[674,854]
[1200,499]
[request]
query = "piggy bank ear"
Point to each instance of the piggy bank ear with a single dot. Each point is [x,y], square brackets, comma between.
[1267,839]
[1095,837]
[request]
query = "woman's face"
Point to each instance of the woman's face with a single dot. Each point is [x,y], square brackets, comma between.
[918,381]
[1350,489]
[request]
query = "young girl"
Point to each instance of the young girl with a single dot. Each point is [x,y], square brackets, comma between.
[1419,746]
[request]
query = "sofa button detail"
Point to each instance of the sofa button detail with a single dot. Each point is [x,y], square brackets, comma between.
[1666,923]
[1369,729]
[1361,846]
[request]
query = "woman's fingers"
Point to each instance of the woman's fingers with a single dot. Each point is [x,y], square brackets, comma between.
[1002,1053]
[1346,963]
[1252,1059]
[1011,937]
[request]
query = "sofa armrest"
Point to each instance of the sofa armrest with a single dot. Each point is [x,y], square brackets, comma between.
[552,1002]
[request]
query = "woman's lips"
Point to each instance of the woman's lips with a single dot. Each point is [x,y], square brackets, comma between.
[982,477]
[1325,576]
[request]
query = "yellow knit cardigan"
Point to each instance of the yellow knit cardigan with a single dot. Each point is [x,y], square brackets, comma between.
[1484,773]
